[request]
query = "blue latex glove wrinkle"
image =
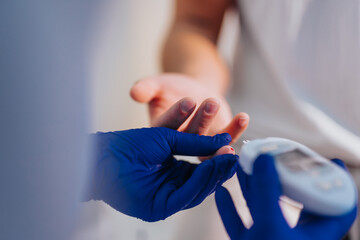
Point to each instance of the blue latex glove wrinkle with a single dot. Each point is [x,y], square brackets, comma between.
[135,171]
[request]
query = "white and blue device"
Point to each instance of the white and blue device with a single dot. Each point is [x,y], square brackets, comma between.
[320,185]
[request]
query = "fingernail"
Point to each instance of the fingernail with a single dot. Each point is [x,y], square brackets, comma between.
[243,121]
[187,105]
[232,150]
[211,107]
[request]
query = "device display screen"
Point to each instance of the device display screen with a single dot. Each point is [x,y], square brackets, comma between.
[297,161]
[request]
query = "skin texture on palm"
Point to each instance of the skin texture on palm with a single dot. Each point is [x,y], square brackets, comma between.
[180,102]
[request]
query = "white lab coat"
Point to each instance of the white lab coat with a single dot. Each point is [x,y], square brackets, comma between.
[297,74]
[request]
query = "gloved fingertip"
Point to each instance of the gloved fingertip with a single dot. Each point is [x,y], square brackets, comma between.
[195,145]
[224,165]
[223,138]
[220,192]
[222,196]
[228,158]
[231,167]
[340,163]
[264,165]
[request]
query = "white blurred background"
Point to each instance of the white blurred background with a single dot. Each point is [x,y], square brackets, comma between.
[126,46]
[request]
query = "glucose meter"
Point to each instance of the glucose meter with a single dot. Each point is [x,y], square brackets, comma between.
[320,185]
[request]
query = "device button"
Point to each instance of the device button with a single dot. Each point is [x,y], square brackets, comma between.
[269,148]
[338,182]
[324,185]
[314,173]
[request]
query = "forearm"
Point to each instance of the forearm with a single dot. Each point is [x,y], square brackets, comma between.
[191,45]
[190,52]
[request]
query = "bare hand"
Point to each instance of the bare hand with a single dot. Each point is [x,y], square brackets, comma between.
[173,98]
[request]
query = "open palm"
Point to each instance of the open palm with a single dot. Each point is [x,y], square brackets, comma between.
[173,100]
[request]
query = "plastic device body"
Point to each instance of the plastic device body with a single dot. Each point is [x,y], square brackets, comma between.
[321,186]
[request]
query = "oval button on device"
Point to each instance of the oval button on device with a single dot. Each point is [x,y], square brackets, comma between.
[323,185]
[338,183]
[269,148]
[314,173]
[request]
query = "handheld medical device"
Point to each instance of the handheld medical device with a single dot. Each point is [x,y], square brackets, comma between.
[320,185]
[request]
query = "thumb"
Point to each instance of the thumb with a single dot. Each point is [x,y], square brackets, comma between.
[264,190]
[192,144]
[207,177]
[145,89]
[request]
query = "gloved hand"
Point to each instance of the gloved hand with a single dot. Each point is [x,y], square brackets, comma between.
[136,173]
[262,191]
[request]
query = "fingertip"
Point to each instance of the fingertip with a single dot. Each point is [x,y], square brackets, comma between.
[211,106]
[243,120]
[144,90]
[203,117]
[225,150]
[237,126]
[187,105]
[176,115]
[136,90]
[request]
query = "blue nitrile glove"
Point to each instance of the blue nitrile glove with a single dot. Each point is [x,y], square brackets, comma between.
[262,191]
[136,172]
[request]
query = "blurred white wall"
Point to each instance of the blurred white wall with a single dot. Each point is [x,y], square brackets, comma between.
[126,47]
[128,35]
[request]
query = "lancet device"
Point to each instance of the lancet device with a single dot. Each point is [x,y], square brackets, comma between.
[323,187]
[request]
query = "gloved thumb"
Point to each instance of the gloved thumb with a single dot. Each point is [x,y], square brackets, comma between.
[207,177]
[264,190]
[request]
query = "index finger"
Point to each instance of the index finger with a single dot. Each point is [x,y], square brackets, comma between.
[176,115]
